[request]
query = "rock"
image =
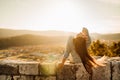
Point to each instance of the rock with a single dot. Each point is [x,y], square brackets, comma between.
[47,69]
[81,73]
[5,77]
[68,72]
[45,78]
[116,70]
[22,70]
[23,77]
[37,77]
[114,59]
[102,72]
[9,69]
[16,77]
[29,68]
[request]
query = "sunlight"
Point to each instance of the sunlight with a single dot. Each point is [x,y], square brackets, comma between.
[48,68]
[65,15]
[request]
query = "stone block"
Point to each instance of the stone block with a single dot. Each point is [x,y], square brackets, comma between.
[37,77]
[81,73]
[17,77]
[29,68]
[116,70]
[9,69]
[45,78]
[102,72]
[68,72]
[48,69]
[23,77]
[6,77]
[3,77]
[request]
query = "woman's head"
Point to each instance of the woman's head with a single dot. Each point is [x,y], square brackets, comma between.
[85,31]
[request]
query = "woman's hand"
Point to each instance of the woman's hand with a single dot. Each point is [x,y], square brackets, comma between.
[60,66]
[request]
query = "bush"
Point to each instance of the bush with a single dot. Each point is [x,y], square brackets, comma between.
[115,48]
[100,48]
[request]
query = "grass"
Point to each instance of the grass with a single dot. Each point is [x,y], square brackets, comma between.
[33,53]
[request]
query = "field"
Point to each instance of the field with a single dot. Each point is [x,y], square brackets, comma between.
[39,53]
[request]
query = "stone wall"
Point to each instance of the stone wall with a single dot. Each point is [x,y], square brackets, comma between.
[18,70]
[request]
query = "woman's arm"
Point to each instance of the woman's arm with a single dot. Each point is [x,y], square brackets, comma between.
[66,53]
[62,63]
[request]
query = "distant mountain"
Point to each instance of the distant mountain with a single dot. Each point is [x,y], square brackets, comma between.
[31,40]
[115,36]
[4,33]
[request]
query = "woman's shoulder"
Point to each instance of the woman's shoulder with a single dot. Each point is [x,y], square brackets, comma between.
[70,37]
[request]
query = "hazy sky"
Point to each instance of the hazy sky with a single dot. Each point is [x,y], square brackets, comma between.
[102,16]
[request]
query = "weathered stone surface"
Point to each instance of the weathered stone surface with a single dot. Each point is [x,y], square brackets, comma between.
[9,69]
[81,73]
[16,78]
[116,70]
[29,68]
[6,77]
[67,73]
[23,77]
[3,77]
[48,78]
[48,69]
[37,77]
[45,78]
[102,72]
[37,71]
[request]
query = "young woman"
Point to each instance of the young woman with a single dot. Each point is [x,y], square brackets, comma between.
[78,49]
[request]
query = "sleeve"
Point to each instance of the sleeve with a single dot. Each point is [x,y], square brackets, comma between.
[68,48]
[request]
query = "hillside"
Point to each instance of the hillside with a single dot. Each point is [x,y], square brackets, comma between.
[4,33]
[96,36]
[110,36]
[31,40]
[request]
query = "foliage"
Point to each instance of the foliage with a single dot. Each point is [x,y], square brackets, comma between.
[115,48]
[100,48]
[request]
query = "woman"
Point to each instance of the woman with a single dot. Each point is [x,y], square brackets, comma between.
[78,49]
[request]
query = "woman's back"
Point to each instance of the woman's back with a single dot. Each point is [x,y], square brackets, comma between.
[71,50]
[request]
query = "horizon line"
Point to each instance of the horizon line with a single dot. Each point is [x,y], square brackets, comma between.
[55,30]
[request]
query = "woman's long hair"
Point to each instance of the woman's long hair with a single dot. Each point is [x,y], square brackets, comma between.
[81,49]
[86,33]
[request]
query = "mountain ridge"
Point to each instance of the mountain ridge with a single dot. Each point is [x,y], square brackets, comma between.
[9,33]
[5,33]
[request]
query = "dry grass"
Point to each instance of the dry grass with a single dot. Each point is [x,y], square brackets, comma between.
[33,53]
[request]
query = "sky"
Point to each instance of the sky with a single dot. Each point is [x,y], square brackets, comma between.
[101,16]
